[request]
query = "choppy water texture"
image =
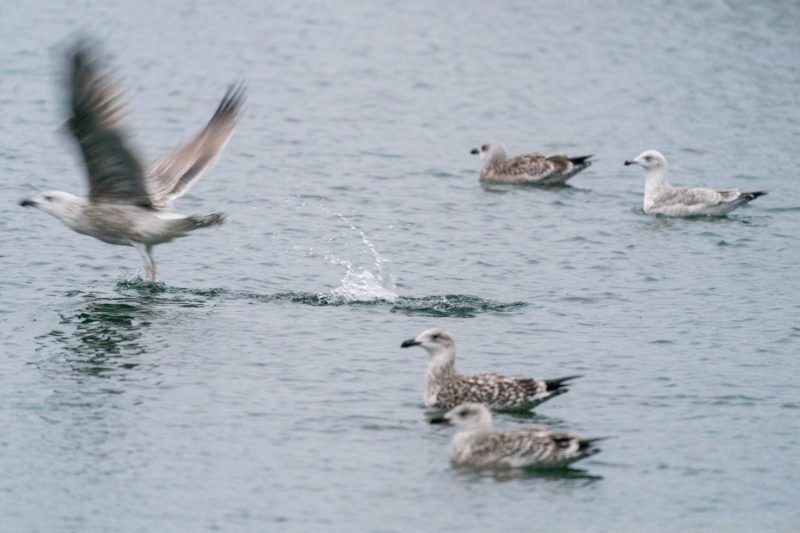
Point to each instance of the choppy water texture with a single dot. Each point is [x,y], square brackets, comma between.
[259,386]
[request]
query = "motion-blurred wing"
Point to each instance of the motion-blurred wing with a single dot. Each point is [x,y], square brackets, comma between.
[113,169]
[174,174]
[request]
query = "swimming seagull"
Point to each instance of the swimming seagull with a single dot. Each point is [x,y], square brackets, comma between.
[445,387]
[662,198]
[127,204]
[529,168]
[476,444]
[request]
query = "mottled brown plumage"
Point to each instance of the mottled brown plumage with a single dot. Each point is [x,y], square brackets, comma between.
[445,387]
[535,168]
[477,444]
[499,392]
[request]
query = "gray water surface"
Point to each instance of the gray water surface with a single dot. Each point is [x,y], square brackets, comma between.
[259,385]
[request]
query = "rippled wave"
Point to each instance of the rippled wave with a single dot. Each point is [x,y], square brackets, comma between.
[441,305]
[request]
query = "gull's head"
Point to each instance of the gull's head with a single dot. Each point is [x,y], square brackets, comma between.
[492,151]
[649,160]
[467,417]
[435,341]
[57,203]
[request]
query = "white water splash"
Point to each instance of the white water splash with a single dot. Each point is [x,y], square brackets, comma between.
[362,284]
[122,277]
[366,275]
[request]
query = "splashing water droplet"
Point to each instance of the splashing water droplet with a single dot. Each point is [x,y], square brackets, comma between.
[361,284]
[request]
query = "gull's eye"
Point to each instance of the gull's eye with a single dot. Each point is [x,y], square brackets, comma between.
[463,414]
[48,198]
[435,336]
[484,147]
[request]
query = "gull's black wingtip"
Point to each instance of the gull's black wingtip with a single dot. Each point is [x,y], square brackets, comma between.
[581,159]
[234,98]
[753,195]
[557,383]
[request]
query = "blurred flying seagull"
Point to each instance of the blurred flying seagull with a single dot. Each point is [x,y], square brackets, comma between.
[663,199]
[128,204]
[527,169]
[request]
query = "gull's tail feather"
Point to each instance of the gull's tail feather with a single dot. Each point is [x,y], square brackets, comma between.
[214,219]
[588,447]
[748,196]
[581,160]
[553,387]
[557,383]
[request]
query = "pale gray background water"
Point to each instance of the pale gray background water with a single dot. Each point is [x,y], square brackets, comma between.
[251,391]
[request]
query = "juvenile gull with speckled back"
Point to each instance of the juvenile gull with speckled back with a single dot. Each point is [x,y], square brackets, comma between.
[535,168]
[128,205]
[477,444]
[445,387]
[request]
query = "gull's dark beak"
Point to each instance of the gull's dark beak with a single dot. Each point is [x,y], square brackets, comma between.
[475,151]
[409,342]
[27,203]
[438,420]
[630,163]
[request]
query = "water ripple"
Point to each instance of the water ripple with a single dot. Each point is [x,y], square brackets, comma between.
[439,305]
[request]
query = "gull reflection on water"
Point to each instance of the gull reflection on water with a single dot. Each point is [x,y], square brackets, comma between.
[566,476]
[103,334]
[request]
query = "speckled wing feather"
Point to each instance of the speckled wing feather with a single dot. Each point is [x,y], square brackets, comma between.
[172,175]
[682,196]
[535,168]
[113,169]
[521,447]
[729,195]
[494,390]
[528,167]
[561,163]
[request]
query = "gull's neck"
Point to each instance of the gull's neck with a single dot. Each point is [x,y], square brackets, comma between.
[655,183]
[441,369]
[497,157]
[71,212]
[464,438]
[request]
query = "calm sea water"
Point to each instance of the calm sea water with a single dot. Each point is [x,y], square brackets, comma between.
[259,386]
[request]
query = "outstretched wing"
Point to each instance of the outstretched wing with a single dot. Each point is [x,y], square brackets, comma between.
[113,169]
[174,174]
